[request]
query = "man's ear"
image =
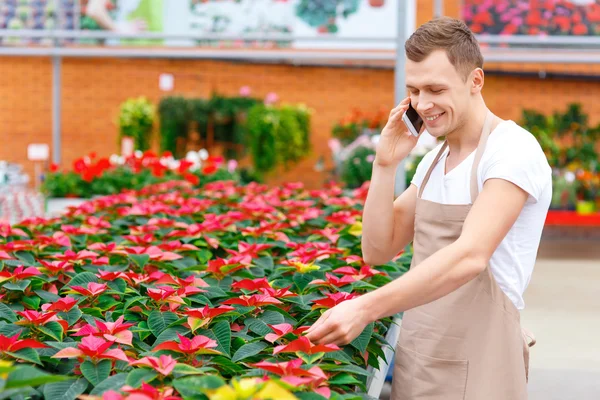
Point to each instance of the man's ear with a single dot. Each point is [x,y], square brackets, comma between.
[476,80]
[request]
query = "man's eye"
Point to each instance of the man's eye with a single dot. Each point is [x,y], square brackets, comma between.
[437,91]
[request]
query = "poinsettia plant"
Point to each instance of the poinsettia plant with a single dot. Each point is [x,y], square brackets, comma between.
[97,176]
[174,292]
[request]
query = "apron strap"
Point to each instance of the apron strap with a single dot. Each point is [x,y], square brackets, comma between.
[485,133]
[430,170]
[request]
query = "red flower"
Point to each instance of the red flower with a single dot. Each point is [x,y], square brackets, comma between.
[113,331]
[334,281]
[93,289]
[19,273]
[302,344]
[93,347]
[198,317]
[282,330]
[252,284]
[13,344]
[56,267]
[333,300]
[62,305]
[163,365]
[256,300]
[198,345]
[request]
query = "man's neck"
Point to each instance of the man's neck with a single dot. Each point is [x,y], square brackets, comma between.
[465,139]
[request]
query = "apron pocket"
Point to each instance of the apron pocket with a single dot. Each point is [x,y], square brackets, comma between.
[430,378]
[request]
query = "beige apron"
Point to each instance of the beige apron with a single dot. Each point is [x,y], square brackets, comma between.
[467,345]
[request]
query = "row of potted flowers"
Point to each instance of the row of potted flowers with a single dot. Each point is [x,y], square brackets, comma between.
[174,292]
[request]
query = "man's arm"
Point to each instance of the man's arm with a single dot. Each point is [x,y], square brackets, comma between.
[491,217]
[388,224]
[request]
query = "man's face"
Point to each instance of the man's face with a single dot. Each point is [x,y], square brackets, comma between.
[439,93]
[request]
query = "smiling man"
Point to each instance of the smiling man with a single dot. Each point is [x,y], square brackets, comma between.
[474,212]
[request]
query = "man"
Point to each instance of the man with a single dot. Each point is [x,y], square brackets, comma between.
[475,212]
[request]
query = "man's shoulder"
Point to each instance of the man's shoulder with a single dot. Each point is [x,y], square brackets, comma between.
[512,140]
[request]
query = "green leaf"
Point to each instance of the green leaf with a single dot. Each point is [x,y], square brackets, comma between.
[170,334]
[354,369]
[27,375]
[221,331]
[192,385]
[310,396]
[265,262]
[72,316]
[158,321]
[140,375]
[19,286]
[26,257]
[185,369]
[338,356]
[260,327]
[301,281]
[82,279]
[52,329]
[26,354]
[249,350]
[203,256]
[67,390]
[310,358]
[114,382]
[7,314]
[226,365]
[139,259]
[213,292]
[344,379]
[96,373]
[47,296]
[118,285]
[33,302]
[106,302]
[362,341]
[23,393]
[138,299]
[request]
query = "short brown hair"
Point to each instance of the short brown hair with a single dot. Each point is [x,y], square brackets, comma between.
[451,35]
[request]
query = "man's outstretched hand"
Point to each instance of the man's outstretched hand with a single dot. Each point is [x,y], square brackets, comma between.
[341,324]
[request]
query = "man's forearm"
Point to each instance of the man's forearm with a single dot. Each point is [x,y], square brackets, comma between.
[378,213]
[438,275]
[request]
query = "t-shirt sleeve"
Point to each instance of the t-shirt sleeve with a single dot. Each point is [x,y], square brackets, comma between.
[521,161]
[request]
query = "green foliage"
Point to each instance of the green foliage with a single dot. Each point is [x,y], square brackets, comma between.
[136,120]
[358,167]
[174,123]
[278,136]
[566,138]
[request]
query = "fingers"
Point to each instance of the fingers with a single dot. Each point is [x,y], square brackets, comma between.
[319,328]
[403,105]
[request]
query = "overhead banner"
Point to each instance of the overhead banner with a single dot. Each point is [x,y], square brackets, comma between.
[533,17]
[299,18]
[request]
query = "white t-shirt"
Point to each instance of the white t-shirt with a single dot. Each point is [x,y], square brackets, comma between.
[512,153]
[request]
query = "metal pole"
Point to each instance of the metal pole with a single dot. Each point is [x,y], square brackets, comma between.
[438,8]
[56,108]
[406,25]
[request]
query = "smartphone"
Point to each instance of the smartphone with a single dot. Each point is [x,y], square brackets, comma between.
[412,120]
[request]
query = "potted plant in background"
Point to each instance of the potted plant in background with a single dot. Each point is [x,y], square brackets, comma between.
[136,120]
[588,183]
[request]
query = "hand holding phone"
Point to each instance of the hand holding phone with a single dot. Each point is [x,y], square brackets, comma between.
[413,120]
[396,140]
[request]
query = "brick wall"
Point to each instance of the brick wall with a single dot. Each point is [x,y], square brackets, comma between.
[93,89]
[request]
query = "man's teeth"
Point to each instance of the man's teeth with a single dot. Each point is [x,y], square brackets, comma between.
[432,118]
